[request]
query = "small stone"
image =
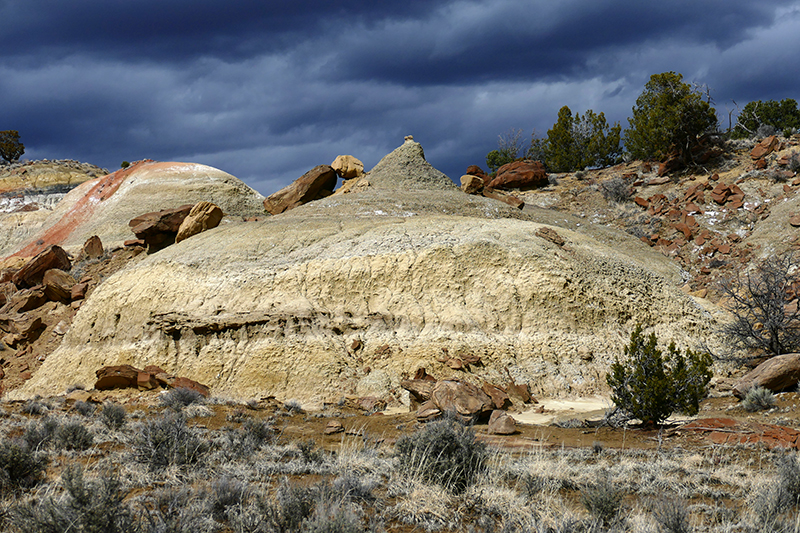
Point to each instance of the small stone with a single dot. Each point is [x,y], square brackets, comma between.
[333,427]
[501,423]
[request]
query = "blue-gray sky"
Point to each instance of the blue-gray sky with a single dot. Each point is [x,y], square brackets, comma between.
[266,90]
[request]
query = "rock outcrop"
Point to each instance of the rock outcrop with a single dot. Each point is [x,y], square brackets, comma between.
[406,268]
[104,205]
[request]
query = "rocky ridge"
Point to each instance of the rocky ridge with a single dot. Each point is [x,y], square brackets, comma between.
[409,273]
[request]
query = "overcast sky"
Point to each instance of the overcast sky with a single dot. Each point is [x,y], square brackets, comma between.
[266,90]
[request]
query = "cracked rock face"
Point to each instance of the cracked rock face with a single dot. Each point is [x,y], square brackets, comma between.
[348,294]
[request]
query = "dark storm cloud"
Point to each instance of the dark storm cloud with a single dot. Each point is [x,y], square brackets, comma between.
[177,30]
[268,90]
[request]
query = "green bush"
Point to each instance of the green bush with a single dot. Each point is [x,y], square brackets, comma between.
[577,142]
[784,116]
[444,452]
[650,385]
[668,115]
[10,147]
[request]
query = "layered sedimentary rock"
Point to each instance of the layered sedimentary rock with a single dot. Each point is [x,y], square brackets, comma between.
[352,293]
[104,205]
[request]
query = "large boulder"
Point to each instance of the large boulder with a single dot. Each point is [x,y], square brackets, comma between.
[347,167]
[464,400]
[158,229]
[519,175]
[314,184]
[776,374]
[274,307]
[32,273]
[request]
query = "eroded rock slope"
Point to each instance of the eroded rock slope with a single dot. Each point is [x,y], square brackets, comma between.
[349,294]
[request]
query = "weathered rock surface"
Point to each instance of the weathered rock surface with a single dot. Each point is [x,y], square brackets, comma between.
[406,169]
[777,373]
[104,205]
[203,216]
[407,268]
[765,147]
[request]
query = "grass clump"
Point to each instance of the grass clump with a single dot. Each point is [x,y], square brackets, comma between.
[167,441]
[181,397]
[444,452]
[73,436]
[758,399]
[602,500]
[20,466]
[113,415]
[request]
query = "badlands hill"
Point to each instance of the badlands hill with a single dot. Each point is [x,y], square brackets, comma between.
[354,292]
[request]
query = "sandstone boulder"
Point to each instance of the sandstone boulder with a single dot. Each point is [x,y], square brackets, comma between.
[463,399]
[202,217]
[471,184]
[520,175]
[159,228]
[765,147]
[501,423]
[333,427]
[475,170]
[58,285]
[777,373]
[116,377]
[32,273]
[347,167]
[314,184]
